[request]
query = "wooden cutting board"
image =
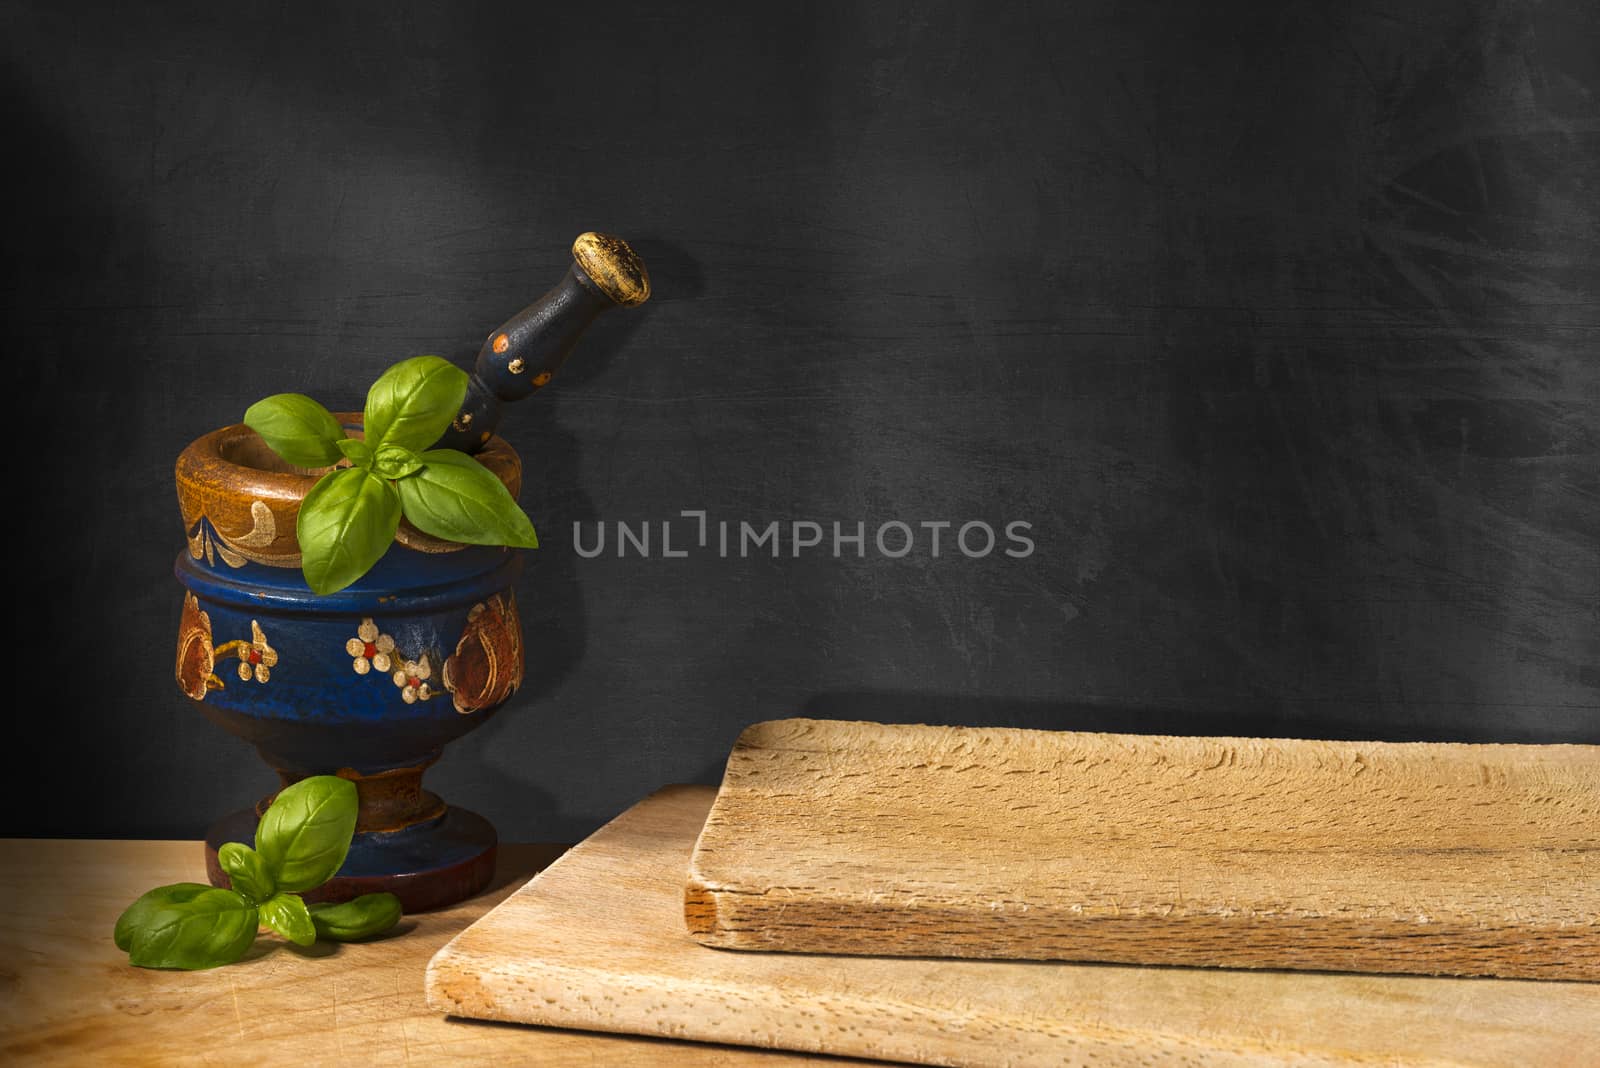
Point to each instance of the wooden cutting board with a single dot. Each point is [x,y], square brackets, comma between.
[597,942]
[831,837]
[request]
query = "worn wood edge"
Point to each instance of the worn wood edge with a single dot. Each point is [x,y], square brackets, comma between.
[712,1012]
[781,734]
[722,918]
[722,915]
[463,982]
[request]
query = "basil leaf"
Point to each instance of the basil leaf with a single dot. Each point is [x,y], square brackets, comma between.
[413,402]
[456,498]
[137,915]
[247,871]
[356,451]
[297,428]
[287,915]
[346,524]
[362,917]
[396,461]
[306,831]
[211,928]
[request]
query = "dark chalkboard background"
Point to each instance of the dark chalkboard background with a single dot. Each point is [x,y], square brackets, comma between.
[1277,321]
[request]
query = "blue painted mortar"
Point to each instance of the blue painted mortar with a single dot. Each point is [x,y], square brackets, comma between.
[315,713]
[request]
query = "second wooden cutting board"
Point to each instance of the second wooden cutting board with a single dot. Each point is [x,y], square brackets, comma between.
[596,941]
[832,837]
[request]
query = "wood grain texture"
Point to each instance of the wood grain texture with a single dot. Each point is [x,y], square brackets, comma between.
[69,997]
[596,941]
[1450,859]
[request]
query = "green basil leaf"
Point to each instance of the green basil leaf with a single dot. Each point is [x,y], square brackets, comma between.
[138,914]
[297,428]
[356,451]
[346,524]
[413,402]
[362,917]
[287,915]
[247,871]
[456,498]
[396,461]
[211,928]
[306,831]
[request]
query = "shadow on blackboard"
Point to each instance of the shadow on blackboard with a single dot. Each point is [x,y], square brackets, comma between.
[550,593]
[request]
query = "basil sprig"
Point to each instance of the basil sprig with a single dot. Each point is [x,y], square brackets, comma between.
[346,524]
[213,927]
[449,497]
[247,871]
[298,428]
[349,518]
[304,835]
[351,921]
[301,842]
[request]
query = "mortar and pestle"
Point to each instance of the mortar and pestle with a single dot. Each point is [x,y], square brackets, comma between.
[370,683]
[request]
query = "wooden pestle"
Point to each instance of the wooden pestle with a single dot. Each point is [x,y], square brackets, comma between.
[522,355]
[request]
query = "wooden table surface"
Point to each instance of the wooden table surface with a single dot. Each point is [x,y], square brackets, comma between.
[69,996]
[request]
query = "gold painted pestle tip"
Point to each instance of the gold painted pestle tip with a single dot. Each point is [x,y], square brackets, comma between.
[613,267]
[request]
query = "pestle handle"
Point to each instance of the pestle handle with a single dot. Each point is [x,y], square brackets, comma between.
[524,353]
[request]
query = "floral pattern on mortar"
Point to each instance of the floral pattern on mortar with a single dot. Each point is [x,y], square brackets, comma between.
[197,656]
[486,667]
[372,650]
[207,541]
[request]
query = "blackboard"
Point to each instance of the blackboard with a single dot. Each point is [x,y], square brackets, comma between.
[1276,325]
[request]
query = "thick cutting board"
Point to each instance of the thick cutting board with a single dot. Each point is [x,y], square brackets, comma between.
[597,942]
[832,837]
